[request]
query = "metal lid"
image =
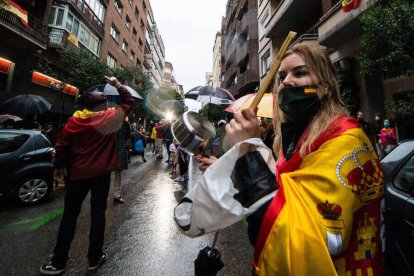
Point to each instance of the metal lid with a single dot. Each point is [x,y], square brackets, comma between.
[198,125]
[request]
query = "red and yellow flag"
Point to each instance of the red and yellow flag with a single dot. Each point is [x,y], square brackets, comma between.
[349,5]
[325,219]
[17,10]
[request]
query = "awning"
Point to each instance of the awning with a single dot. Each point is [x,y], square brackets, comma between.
[5,66]
[50,82]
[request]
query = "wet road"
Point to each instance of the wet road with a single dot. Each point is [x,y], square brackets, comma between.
[141,236]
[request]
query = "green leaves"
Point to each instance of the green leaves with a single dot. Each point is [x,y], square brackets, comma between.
[386,45]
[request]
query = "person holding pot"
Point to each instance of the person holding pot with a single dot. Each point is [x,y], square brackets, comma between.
[325,218]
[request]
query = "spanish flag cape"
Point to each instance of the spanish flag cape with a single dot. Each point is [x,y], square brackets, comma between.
[325,219]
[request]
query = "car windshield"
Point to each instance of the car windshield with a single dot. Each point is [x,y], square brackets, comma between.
[10,142]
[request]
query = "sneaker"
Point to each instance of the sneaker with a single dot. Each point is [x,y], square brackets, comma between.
[101,261]
[145,160]
[167,161]
[159,157]
[179,179]
[51,269]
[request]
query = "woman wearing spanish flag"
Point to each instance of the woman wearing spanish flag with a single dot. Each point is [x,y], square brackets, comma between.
[325,218]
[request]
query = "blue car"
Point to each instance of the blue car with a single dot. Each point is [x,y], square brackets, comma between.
[398,167]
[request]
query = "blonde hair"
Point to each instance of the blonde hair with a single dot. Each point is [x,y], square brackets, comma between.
[332,107]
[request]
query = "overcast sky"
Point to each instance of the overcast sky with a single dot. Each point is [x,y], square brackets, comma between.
[188,29]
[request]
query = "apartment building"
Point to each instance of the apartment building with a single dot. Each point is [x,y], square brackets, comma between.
[276,18]
[216,74]
[169,77]
[125,27]
[154,52]
[23,37]
[239,47]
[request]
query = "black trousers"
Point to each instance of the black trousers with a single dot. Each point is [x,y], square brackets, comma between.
[75,194]
[167,145]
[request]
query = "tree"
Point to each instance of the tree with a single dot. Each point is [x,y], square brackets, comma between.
[83,69]
[213,112]
[386,44]
[348,91]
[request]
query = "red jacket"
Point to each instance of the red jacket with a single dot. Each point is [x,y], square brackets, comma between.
[87,144]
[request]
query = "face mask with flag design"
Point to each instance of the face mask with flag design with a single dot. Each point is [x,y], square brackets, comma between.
[299,103]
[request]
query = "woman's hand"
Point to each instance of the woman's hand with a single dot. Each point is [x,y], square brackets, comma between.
[243,126]
[205,162]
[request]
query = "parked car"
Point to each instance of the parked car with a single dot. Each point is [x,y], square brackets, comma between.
[26,169]
[398,168]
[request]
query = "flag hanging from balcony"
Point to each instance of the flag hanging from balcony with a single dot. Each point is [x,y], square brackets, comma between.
[349,5]
[17,10]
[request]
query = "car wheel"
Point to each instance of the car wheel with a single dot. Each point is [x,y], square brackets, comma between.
[33,189]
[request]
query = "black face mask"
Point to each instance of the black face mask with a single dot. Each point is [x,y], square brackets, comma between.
[299,103]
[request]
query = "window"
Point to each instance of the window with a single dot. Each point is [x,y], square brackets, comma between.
[404,180]
[56,16]
[127,21]
[140,43]
[124,46]
[262,23]
[136,13]
[142,25]
[89,40]
[132,56]
[110,61]
[72,24]
[134,33]
[10,142]
[114,32]
[265,63]
[118,6]
[97,8]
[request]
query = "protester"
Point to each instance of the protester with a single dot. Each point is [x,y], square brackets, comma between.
[366,126]
[123,135]
[168,138]
[139,144]
[325,218]
[153,137]
[388,139]
[183,161]
[159,138]
[86,151]
[174,157]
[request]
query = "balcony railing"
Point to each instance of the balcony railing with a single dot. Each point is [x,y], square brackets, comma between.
[84,9]
[36,31]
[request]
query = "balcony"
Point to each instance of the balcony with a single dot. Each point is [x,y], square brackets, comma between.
[58,38]
[33,36]
[92,19]
[337,27]
[293,15]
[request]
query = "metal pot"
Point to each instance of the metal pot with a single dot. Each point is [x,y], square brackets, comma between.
[192,131]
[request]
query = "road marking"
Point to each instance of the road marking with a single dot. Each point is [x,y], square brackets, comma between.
[39,221]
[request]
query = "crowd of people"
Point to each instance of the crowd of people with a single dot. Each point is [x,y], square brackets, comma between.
[328,178]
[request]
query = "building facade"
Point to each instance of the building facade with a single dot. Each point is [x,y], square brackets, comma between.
[154,52]
[125,28]
[216,74]
[239,48]
[169,77]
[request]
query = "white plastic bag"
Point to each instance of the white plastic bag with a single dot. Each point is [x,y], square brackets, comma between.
[210,205]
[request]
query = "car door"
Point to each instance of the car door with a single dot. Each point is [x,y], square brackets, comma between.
[400,216]
[14,147]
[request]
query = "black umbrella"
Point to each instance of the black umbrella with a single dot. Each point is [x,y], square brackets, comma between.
[9,118]
[210,94]
[208,261]
[25,105]
[112,93]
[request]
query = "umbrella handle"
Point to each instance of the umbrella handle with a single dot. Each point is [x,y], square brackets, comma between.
[215,239]
[272,70]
